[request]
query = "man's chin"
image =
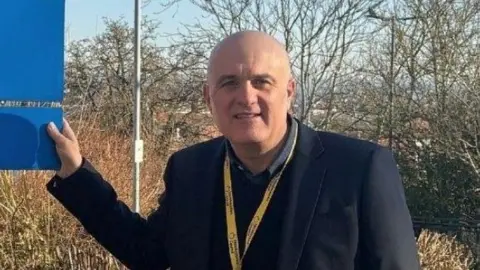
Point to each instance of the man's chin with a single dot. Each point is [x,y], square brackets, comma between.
[247,134]
[247,139]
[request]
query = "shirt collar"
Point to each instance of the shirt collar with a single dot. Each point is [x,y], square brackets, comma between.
[279,159]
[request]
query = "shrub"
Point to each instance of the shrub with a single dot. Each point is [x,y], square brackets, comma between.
[442,252]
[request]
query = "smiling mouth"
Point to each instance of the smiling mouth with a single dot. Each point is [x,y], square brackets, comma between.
[246,115]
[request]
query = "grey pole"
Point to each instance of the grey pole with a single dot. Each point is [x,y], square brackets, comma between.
[392,82]
[138,143]
[392,19]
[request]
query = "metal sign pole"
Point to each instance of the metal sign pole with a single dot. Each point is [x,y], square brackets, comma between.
[138,143]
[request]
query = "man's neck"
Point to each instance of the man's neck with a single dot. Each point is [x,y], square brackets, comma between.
[256,157]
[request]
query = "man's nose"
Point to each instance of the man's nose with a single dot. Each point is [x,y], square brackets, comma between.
[247,94]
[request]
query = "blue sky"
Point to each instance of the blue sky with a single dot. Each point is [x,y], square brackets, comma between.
[83,18]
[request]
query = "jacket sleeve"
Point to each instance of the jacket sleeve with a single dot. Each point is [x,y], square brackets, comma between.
[137,242]
[387,239]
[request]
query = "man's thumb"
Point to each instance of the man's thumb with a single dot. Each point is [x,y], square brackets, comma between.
[55,133]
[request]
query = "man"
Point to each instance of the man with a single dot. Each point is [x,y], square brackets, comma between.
[269,194]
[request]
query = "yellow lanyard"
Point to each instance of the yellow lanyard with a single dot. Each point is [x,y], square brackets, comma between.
[233,245]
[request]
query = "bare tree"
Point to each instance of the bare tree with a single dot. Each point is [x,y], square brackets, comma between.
[319,36]
[99,78]
[436,115]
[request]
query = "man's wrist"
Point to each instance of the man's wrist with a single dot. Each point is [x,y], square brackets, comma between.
[69,171]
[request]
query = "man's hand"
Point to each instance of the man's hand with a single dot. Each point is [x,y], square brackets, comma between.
[67,148]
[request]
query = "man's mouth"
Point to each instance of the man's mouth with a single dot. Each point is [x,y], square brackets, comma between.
[246,115]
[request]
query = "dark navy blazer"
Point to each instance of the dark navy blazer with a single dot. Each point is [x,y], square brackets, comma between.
[346,210]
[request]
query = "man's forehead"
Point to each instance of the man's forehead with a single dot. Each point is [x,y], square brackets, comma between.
[248,53]
[244,64]
[245,68]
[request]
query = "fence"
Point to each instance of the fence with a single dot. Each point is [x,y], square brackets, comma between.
[465,231]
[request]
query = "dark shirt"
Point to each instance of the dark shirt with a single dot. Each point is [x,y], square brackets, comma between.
[248,190]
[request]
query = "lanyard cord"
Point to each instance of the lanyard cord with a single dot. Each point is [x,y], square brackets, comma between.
[233,244]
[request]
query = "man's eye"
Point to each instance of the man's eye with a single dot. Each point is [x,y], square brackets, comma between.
[260,82]
[229,83]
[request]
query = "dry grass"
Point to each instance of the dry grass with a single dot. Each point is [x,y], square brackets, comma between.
[442,252]
[37,233]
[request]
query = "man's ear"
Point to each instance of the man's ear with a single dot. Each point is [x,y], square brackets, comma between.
[206,96]
[291,90]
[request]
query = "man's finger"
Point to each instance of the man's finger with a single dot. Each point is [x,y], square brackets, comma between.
[55,134]
[68,131]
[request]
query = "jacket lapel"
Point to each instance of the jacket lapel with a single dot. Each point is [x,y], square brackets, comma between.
[198,236]
[307,176]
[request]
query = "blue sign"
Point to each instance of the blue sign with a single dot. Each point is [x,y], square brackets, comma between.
[24,141]
[31,69]
[32,50]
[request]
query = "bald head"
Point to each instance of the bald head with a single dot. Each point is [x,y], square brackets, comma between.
[250,44]
[249,89]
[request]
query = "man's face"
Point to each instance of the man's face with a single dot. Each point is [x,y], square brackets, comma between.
[249,92]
